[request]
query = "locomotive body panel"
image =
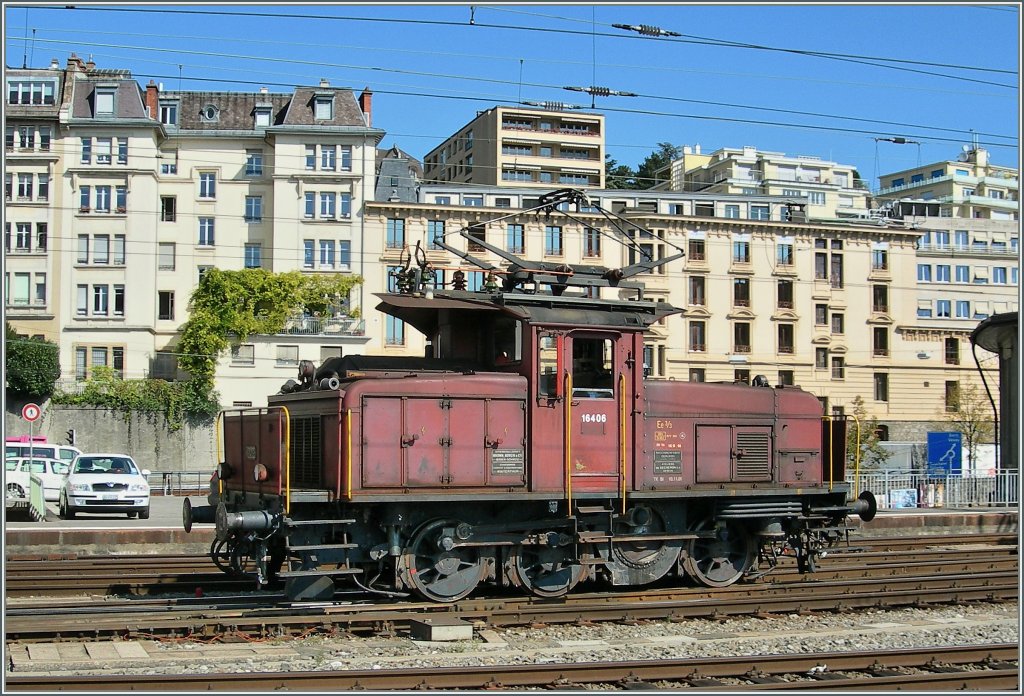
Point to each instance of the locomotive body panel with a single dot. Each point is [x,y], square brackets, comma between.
[436,434]
[705,435]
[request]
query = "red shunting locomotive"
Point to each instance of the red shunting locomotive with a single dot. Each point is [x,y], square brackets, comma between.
[527,450]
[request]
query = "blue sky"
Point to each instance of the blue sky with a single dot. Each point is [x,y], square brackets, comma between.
[431,70]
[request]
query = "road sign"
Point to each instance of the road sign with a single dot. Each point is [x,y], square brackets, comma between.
[31,412]
[944,454]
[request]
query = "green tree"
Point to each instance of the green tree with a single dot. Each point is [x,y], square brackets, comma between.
[239,304]
[970,414]
[618,176]
[872,454]
[32,365]
[649,172]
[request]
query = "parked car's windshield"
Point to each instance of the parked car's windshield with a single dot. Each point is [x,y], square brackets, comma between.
[105,465]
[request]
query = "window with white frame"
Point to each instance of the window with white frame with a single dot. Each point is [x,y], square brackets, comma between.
[169,113]
[207,184]
[254,208]
[328,157]
[102,199]
[327,200]
[327,253]
[86,150]
[344,254]
[253,255]
[759,212]
[311,157]
[25,187]
[307,253]
[206,237]
[28,91]
[254,163]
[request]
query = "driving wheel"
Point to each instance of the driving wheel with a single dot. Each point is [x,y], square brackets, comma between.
[721,560]
[544,571]
[438,571]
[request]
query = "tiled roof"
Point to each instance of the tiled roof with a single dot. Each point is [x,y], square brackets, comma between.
[233,110]
[346,109]
[128,99]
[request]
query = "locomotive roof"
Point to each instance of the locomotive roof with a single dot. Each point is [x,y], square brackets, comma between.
[423,311]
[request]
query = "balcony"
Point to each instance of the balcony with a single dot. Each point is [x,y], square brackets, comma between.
[964,250]
[324,326]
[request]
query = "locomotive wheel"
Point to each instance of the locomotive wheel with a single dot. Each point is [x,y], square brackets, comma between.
[438,574]
[545,571]
[722,560]
[645,561]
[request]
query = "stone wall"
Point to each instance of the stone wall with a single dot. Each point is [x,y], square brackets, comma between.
[143,436]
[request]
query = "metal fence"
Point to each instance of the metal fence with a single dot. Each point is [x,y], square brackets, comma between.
[180,482]
[899,489]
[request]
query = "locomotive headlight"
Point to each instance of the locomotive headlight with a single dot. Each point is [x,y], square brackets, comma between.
[259,473]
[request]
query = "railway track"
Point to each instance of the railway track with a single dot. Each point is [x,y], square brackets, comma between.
[986,667]
[270,615]
[164,574]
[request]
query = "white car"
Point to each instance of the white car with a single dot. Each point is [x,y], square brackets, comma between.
[104,483]
[18,470]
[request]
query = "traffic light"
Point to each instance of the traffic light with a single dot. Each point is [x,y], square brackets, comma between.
[71,436]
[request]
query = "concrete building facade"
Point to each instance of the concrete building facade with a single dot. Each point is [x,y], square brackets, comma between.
[829,190]
[524,147]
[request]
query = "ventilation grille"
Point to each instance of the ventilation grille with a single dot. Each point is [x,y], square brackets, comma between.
[756,462]
[306,469]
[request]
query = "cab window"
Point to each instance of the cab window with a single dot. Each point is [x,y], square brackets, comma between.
[592,368]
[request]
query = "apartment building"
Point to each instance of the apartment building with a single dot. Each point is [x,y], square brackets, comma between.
[32,205]
[522,147]
[130,194]
[966,213]
[829,190]
[831,307]
[971,187]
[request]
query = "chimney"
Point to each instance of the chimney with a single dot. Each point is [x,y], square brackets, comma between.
[89,66]
[324,82]
[152,103]
[54,64]
[365,105]
[75,64]
[264,90]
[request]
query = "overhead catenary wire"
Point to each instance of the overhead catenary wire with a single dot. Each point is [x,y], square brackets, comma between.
[503,82]
[882,62]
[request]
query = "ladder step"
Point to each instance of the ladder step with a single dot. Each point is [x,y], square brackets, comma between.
[592,509]
[318,573]
[321,547]
[308,523]
[587,537]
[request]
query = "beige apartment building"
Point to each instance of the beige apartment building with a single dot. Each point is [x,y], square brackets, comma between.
[829,190]
[33,159]
[513,146]
[120,197]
